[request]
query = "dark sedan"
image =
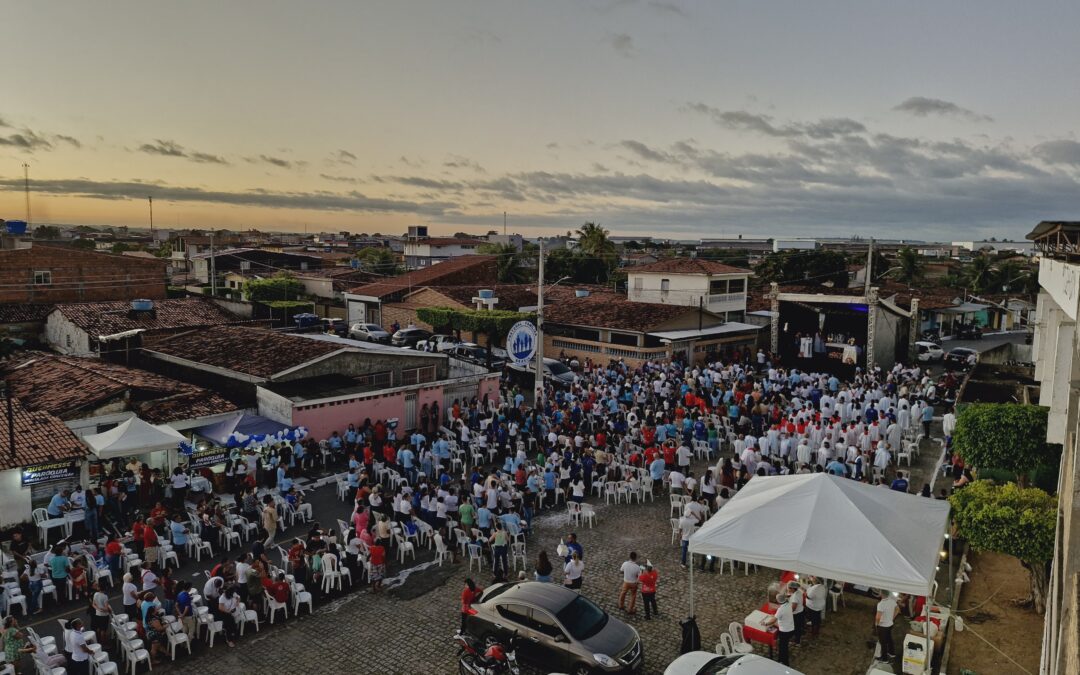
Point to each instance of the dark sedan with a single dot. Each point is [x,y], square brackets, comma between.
[557,628]
[961,358]
[408,337]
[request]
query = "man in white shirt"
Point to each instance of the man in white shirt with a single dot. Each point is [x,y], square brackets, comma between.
[948,423]
[630,573]
[80,654]
[678,481]
[682,457]
[797,599]
[784,620]
[887,609]
[816,595]
[687,524]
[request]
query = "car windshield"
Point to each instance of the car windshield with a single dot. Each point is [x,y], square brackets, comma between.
[582,618]
[558,368]
[373,328]
[719,665]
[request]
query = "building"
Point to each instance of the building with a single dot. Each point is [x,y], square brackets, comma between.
[608,326]
[90,328]
[739,243]
[428,251]
[1056,352]
[692,282]
[25,324]
[41,274]
[250,260]
[327,283]
[515,240]
[365,303]
[321,382]
[1025,248]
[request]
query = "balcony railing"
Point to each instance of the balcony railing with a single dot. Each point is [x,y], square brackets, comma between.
[610,350]
[719,298]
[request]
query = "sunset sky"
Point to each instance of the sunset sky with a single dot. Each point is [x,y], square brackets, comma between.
[902,119]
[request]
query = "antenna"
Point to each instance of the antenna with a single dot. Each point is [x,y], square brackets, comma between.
[26,184]
[504,223]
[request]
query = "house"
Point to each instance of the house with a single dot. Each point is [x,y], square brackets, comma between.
[47,457]
[515,240]
[365,303]
[90,328]
[427,251]
[607,326]
[691,282]
[23,323]
[251,260]
[42,274]
[328,283]
[318,381]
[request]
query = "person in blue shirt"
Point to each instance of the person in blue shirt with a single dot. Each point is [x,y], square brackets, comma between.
[285,484]
[836,468]
[59,504]
[900,484]
[354,479]
[484,518]
[179,534]
[573,546]
[405,459]
[927,418]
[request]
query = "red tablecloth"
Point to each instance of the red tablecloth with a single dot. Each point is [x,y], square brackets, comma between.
[786,577]
[752,634]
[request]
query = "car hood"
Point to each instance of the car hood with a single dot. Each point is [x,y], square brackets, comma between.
[614,639]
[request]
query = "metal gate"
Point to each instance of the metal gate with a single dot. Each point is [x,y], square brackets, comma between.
[410,412]
[463,392]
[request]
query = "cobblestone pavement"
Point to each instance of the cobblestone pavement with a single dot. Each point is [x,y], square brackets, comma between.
[408,629]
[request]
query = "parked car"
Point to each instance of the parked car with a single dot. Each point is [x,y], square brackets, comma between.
[961,358]
[928,351]
[968,331]
[708,663]
[369,332]
[438,343]
[555,372]
[336,326]
[473,353]
[408,337]
[562,631]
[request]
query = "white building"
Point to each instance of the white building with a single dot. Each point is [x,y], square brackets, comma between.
[433,250]
[1057,367]
[1020,247]
[695,282]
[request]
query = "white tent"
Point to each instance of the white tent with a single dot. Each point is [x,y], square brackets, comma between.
[831,527]
[133,437]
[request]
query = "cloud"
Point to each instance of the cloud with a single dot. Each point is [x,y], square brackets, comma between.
[352,201]
[276,161]
[341,158]
[664,7]
[70,140]
[623,44]
[459,162]
[206,158]
[27,140]
[742,120]
[645,152]
[1058,152]
[4,122]
[921,106]
[339,179]
[166,148]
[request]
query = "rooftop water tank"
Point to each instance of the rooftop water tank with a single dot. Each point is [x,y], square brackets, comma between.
[15,226]
[486,293]
[581,293]
[142,305]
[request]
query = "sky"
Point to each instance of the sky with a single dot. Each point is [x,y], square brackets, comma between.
[917,120]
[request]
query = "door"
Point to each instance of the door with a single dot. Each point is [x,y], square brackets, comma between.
[514,619]
[549,641]
[410,411]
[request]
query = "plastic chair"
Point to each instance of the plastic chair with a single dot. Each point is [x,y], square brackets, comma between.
[273,606]
[726,645]
[301,597]
[517,552]
[441,551]
[476,555]
[741,646]
[245,616]
[176,636]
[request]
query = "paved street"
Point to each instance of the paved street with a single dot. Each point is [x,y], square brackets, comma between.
[407,629]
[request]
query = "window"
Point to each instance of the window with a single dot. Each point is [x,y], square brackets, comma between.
[718,286]
[626,339]
[519,614]
[639,283]
[42,278]
[544,623]
[736,285]
[665,285]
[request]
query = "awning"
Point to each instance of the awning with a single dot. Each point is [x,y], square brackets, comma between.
[133,437]
[244,423]
[831,527]
[723,329]
[964,308]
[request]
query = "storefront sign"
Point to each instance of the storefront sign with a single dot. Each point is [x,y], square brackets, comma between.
[51,472]
[207,457]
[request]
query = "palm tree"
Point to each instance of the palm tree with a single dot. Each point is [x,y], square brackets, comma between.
[911,265]
[509,262]
[980,273]
[593,242]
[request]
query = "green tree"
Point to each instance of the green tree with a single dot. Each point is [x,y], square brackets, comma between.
[911,265]
[815,268]
[979,274]
[120,247]
[281,286]
[494,323]
[1004,436]
[46,232]
[509,261]
[378,260]
[598,256]
[84,244]
[1012,520]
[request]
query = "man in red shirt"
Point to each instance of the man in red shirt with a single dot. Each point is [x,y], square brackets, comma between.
[378,565]
[648,579]
[280,589]
[150,545]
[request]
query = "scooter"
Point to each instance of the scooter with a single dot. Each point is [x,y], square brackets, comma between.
[486,658]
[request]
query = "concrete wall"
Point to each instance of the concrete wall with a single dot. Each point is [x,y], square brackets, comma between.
[14,499]
[684,289]
[78,276]
[322,419]
[65,337]
[367,362]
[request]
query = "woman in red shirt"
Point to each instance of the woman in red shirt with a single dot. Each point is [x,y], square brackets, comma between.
[470,594]
[378,565]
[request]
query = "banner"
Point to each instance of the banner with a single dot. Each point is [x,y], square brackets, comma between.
[50,472]
[208,457]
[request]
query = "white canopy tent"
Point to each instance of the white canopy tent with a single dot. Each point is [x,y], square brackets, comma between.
[831,527]
[133,437]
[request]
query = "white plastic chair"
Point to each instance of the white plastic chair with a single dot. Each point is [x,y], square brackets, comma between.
[741,646]
[331,573]
[174,631]
[587,515]
[404,547]
[517,552]
[726,645]
[441,551]
[244,616]
[476,555]
[45,523]
[273,606]
[300,597]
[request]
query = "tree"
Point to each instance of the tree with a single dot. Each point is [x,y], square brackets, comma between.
[84,244]
[979,273]
[46,232]
[378,260]
[120,247]
[494,323]
[1003,436]
[815,268]
[1013,520]
[911,265]
[281,286]
[510,262]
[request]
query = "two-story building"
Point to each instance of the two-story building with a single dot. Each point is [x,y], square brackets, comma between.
[424,252]
[693,282]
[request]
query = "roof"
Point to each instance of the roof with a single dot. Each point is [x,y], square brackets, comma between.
[613,310]
[449,241]
[513,296]
[107,318]
[258,352]
[686,266]
[723,329]
[39,437]
[17,312]
[29,255]
[431,275]
[1048,226]
[66,386]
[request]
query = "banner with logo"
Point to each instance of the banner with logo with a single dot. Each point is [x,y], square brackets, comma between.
[50,472]
[208,457]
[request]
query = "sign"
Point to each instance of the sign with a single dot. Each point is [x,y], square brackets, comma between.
[208,457]
[521,342]
[51,472]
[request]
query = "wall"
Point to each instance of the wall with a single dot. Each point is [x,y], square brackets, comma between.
[78,276]
[65,337]
[14,500]
[274,406]
[324,418]
[370,361]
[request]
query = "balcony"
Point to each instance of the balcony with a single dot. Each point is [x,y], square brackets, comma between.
[606,350]
[726,298]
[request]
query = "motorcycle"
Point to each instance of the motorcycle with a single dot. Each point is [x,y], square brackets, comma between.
[931,336]
[486,658]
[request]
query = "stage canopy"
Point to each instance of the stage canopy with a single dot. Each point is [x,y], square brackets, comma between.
[133,437]
[243,423]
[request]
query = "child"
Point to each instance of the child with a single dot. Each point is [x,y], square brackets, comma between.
[78,578]
[378,566]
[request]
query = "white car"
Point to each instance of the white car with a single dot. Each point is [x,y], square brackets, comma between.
[708,663]
[928,351]
[369,332]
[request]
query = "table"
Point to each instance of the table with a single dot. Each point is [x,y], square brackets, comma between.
[201,484]
[756,630]
[787,577]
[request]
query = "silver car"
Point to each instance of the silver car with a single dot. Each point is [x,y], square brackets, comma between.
[557,628]
[369,332]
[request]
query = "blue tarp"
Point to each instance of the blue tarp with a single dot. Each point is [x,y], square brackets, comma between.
[244,423]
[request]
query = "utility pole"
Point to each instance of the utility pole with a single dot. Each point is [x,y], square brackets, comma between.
[26,185]
[538,391]
[504,223]
[10,395]
[151,217]
[213,268]
[869,266]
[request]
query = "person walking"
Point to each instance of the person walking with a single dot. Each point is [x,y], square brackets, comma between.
[573,570]
[631,572]
[887,609]
[648,580]
[269,520]
[784,621]
[470,594]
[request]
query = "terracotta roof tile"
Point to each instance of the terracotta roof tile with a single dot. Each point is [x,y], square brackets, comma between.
[481,268]
[39,437]
[612,310]
[253,351]
[687,266]
[106,318]
[18,312]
